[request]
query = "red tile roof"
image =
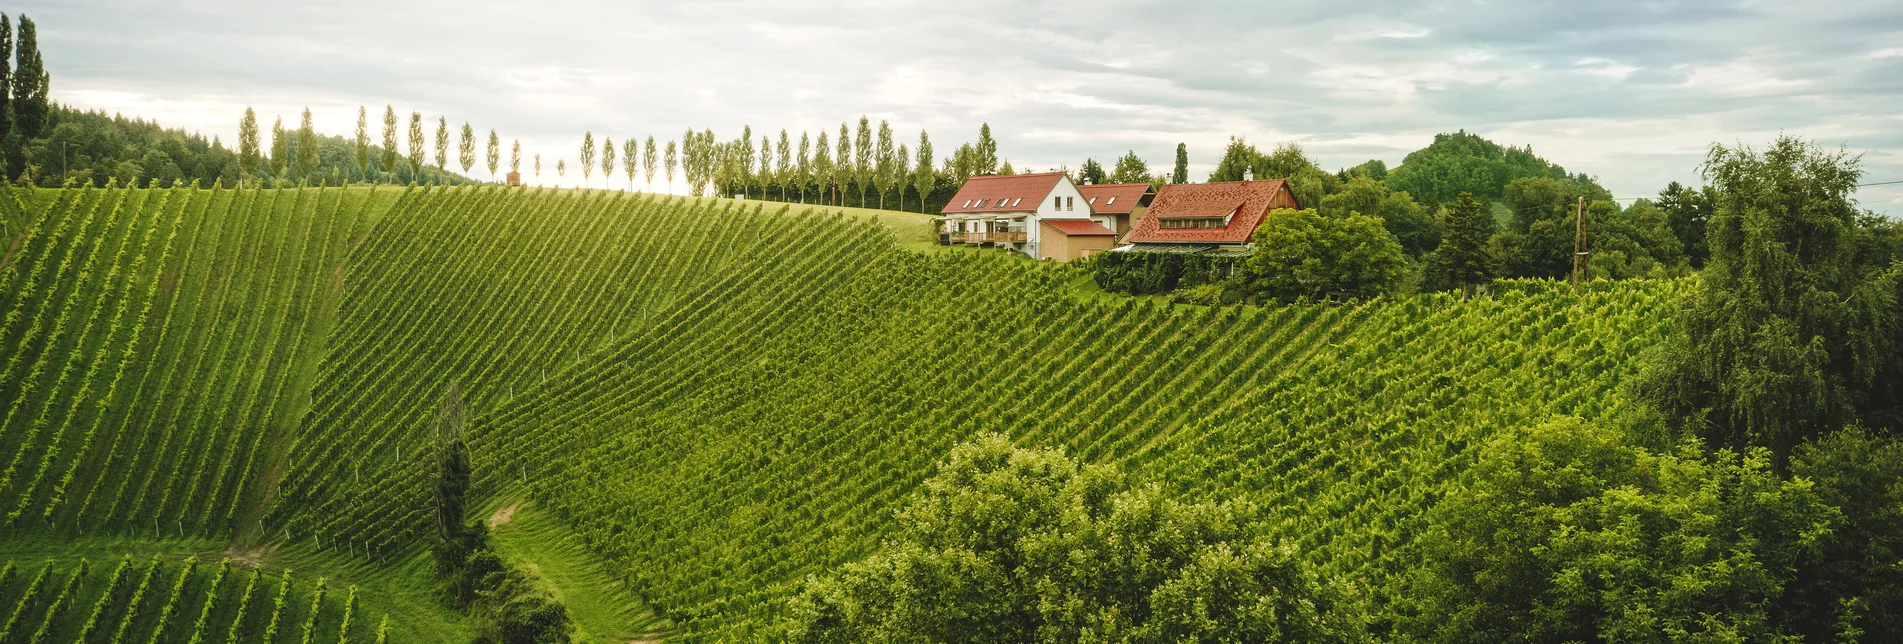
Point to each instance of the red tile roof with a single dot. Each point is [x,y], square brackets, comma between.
[1002,193]
[1114,198]
[1196,199]
[1078,227]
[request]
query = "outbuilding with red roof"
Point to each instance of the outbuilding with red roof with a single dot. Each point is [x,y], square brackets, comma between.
[1117,206]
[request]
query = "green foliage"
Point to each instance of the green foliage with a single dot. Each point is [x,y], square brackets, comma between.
[1566,534]
[1857,580]
[1306,181]
[1180,173]
[1303,254]
[1463,249]
[1092,172]
[1688,211]
[1146,273]
[1022,545]
[1409,222]
[29,82]
[1131,169]
[1791,332]
[1539,238]
[1462,162]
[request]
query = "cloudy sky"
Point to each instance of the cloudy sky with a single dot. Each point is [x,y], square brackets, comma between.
[1630,92]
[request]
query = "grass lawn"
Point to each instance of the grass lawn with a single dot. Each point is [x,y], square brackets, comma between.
[601,605]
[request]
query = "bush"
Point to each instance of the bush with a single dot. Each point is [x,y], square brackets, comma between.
[1145,273]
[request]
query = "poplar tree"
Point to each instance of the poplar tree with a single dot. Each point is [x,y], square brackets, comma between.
[689,142]
[670,160]
[802,172]
[538,168]
[882,174]
[29,83]
[648,162]
[561,168]
[494,156]
[442,143]
[987,160]
[416,147]
[923,176]
[1181,173]
[363,142]
[466,148]
[306,148]
[745,160]
[630,159]
[842,163]
[823,166]
[765,174]
[280,148]
[607,161]
[390,156]
[785,161]
[862,159]
[515,157]
[6,89]
[247,144]
[587,157]
[901,172]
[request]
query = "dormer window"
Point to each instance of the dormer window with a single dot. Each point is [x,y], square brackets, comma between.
[1111,201]
[1014,202]
[967,203]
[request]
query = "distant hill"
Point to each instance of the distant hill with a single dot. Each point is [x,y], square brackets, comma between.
[1462,162]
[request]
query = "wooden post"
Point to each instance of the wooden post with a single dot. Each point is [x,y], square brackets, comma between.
[1582,270]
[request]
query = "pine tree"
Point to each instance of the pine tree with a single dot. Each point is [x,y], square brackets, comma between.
[442,143]
[280,148]
[587,157]
[1463,247]
[607,161]
[648,162]
[306,148]
[248,152]
[417,144]
[671,159]
[494,155]
[630,160]
[1181,173]
[362,148]
[924,178]
[466,148]
[987,149]
[29,83]
[389,157]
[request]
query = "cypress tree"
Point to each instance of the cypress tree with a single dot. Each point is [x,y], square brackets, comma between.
[1181,173]
[363,142]
[442,143]
[280,148]
[453,544]
[389,156]
[648,160]
[466,148]
[416,147]
[247,143]
[306,147]
[29,83]
[493,157]
[923,177]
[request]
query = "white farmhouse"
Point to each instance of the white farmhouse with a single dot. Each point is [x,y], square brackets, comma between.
[1007,211]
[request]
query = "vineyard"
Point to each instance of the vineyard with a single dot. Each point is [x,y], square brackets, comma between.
[718,399]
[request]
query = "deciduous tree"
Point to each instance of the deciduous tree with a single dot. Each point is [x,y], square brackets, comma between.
[30,82]
[986,161]
[389,156]
[630,159]
[1180,174]
[248,151]
[442,143]
[587,157]
[492,156]
[417,146]
[924,177]
[280,148]
[670,160]
[466,148]
[648,162]
[1463,247]
[306,147]
[608,162]
[883,174]
[361,146]
[1301,254]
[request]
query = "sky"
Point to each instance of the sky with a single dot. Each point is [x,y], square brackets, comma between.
[1633,93]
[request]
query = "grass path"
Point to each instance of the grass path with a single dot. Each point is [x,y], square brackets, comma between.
[601,605]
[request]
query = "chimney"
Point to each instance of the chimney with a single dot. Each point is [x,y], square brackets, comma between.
[1248,174]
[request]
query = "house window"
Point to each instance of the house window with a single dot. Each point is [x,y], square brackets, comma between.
[1111,201]
[1070,203]
[1091,200]
[1015,202]
[1058,204]
[1192,223]
[967,203]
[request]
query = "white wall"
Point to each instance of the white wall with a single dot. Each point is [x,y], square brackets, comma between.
[1047,209]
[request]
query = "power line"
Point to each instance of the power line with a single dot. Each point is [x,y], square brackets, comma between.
[1880,183]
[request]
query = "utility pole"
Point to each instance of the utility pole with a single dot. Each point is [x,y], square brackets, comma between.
[1582,269]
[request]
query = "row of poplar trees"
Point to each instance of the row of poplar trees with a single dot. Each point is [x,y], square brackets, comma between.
[23,90]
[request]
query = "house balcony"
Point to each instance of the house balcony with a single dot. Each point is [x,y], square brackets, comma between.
[982,238]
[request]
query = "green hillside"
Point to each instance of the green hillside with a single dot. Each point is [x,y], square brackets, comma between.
[714,399]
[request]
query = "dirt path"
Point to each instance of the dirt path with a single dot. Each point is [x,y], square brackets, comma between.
[503,514]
